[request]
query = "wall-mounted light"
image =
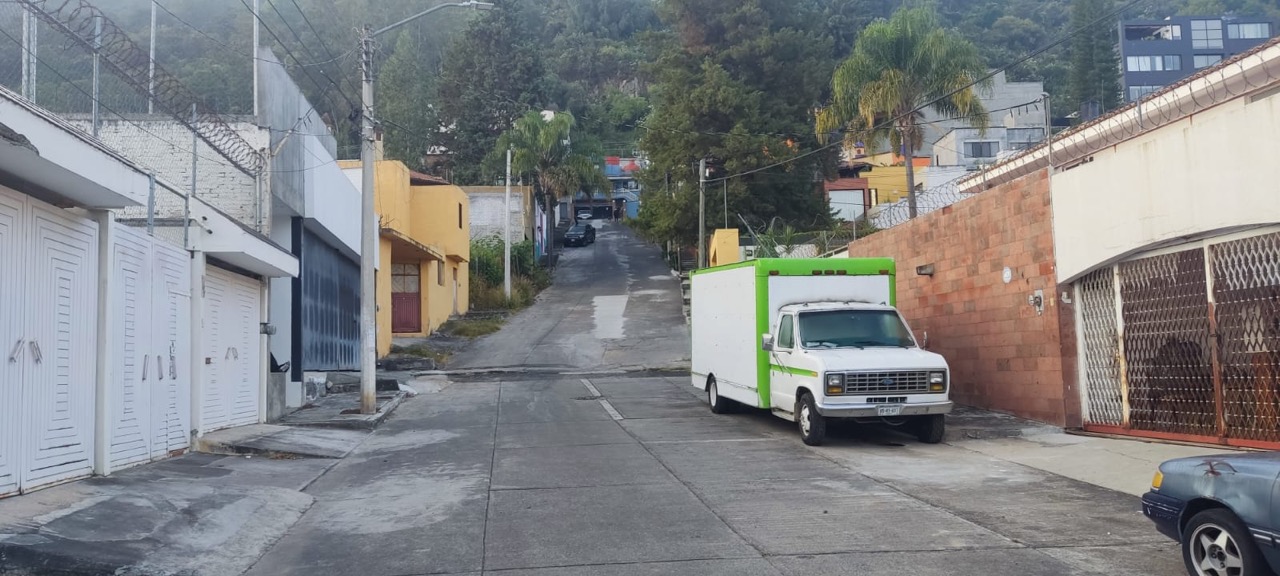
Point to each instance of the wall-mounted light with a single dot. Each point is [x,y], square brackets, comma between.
[926,270]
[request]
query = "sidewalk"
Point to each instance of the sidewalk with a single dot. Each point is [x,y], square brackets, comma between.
[1124,465]
[212,513]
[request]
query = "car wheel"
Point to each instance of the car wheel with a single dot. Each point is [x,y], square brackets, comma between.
[1216,543]
[931,429]
[813,426]
[719,404]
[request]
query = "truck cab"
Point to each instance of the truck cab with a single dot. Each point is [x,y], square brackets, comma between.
[854,360]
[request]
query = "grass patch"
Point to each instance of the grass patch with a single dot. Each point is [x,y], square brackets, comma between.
[473,327]
[421,351]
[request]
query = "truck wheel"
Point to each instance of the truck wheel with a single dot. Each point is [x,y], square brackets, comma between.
[813,426]
[719,404]
[931,429]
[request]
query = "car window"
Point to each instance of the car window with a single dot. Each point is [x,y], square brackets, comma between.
[786,333]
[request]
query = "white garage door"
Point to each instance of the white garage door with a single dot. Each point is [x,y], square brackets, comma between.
[150,382]
[232,305]
[48,336]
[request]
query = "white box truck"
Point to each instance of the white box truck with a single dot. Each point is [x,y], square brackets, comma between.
[812,339]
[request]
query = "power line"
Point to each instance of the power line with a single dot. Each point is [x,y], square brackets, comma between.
[1072,34]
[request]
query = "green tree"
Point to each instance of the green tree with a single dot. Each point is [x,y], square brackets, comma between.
[403,97]
[898,68]
[1095,64]
[559,167]
[735,82]
[492,75]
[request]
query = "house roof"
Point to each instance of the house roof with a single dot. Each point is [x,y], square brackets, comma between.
[420,179]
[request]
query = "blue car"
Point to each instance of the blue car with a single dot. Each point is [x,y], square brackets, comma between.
[1224,511]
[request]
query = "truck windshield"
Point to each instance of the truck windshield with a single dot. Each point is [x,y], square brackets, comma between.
[853,329]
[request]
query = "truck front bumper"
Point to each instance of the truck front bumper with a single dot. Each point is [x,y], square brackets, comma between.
[873,410]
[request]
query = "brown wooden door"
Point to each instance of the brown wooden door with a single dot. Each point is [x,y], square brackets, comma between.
[406,298]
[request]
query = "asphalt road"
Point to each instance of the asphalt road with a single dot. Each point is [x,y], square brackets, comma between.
[614,305]
[632,475]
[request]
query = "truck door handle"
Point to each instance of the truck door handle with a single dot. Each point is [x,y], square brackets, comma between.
[35,352]
[17,351]
[145,364]
[159,367]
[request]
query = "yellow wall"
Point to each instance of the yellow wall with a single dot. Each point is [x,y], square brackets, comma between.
[383,299]
[888,176]
[429,216]
[724,247]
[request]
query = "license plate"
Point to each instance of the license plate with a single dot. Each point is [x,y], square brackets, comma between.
[888,410]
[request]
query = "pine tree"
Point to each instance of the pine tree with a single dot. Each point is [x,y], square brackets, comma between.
[1095,63]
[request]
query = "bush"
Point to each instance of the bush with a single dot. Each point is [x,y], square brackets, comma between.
[527,279]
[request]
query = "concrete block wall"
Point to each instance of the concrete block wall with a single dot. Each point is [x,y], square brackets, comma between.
[486,214]
[163,145]
[1004,354]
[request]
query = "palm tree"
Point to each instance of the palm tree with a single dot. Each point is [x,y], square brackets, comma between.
[558,167]
[898,68]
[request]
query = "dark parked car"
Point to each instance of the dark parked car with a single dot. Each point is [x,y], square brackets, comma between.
[1220,509]
[580,235]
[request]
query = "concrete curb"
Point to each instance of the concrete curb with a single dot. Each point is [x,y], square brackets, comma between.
[358,421]
[677,369]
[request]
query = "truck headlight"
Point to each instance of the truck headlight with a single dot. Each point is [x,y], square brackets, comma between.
[937,381]
[835,384]
[1157,480]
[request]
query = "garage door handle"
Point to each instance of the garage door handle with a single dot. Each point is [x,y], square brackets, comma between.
[35,352]
[145,364]
[17,351]
[159,367]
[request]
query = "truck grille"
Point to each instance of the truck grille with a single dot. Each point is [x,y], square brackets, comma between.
[885,382]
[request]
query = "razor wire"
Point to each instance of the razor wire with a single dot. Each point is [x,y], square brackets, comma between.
[80,31]
[197,153]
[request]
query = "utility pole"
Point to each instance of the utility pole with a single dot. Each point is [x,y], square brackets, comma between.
[369,234]
[368,216]
[702,213]
[506,233]
[726,204]
[257,23]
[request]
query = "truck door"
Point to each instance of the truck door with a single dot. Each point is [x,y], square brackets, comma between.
[782,380]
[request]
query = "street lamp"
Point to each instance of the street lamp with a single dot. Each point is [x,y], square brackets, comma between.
[368,225]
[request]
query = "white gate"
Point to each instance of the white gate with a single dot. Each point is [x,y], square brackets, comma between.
[232,314]
[47,389]
[151,321]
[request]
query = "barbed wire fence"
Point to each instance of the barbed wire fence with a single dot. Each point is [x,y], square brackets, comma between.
[70,59]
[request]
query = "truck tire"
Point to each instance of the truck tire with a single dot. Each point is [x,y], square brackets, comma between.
[719,404]
[931,429]
[813,426]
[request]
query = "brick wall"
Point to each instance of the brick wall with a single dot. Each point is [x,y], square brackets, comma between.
[1003,355]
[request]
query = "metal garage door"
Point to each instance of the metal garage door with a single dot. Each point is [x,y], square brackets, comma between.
[1185,343]
[232,350]
[150,384]
[48,373]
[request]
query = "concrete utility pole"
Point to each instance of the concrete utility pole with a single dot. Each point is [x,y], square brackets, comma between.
[702,213]
[368,216]
[506,233]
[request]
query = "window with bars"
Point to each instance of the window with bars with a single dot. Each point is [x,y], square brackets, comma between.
[405,278]
[1154,63]
[1206,34]
[1249,31]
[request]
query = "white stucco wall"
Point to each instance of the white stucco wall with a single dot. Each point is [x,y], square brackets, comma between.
[1213,171]
[332,199]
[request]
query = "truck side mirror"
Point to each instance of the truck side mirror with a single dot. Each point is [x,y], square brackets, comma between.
[766,342]
[924,342]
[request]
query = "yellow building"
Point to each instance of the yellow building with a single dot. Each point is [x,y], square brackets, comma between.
[424,247]
[887,177]
[724,248]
